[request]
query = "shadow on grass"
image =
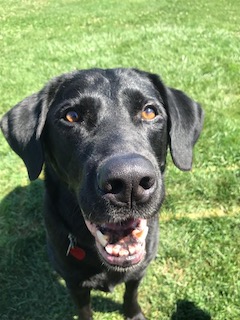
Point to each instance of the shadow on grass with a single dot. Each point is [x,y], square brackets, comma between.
[105,305]
[29,287]
[187,310]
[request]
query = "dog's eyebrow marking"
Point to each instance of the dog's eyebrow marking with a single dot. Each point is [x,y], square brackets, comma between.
[135,100]
[83,101]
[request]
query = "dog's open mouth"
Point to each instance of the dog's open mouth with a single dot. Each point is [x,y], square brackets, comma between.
[120,244]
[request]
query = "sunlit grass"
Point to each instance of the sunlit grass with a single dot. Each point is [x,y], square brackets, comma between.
[195,47]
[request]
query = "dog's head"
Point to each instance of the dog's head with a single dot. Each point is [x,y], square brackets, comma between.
[105,134]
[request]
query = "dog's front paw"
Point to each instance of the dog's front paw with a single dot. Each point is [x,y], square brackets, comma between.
[139,316]
[82,316]
[85,313]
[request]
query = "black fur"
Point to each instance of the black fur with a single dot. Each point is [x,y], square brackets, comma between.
[109,142]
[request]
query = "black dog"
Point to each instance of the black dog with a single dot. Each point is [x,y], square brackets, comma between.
[103,136]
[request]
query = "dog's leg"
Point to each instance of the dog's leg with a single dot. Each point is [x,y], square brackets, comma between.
[81,297]
[132,309]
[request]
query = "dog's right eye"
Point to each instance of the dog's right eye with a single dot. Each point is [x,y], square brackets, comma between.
[72,116]
[149,113]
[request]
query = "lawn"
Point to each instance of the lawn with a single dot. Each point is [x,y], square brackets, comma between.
[195,46]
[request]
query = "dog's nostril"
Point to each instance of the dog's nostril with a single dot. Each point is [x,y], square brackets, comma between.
[147,182]
[113,186]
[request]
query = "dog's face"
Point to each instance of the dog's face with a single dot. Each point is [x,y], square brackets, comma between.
[105,133]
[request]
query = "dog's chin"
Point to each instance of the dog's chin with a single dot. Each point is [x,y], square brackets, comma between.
[121,246]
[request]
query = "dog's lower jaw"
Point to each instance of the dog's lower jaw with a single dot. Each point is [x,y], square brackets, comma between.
[125,268]
[121,247]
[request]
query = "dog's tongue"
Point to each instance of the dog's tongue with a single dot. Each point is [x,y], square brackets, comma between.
[122,242]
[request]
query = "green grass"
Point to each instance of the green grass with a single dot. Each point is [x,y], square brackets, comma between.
[195,47]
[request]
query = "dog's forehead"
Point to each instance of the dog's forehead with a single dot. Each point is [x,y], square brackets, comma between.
[107,82]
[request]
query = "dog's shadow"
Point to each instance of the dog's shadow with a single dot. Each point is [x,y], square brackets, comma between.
[29,287]
[187,310]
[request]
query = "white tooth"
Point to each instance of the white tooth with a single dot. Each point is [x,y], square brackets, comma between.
[138,247]
[123,252]
[115,250]
[131,249]
[109,249]
[103,239]
[142,224]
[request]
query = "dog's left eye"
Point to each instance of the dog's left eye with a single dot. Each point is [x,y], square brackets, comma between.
[149,113]
[72,116]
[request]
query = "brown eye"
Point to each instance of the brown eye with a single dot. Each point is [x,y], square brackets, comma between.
[72,116]
[149,113]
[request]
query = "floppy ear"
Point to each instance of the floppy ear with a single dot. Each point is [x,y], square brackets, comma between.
[186,121]
[22,127]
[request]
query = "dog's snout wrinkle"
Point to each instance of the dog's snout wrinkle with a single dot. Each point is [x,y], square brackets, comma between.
[127,179]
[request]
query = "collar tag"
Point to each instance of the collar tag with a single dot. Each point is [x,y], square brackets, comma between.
[75,251]
[78,253]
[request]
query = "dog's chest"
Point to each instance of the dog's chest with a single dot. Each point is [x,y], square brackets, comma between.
[105,281]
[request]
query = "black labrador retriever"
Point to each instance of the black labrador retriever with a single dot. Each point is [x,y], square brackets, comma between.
[103,136]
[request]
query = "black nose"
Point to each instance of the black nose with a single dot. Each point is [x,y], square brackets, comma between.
[127,179]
